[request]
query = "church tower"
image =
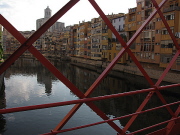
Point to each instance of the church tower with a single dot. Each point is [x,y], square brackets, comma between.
[47,12]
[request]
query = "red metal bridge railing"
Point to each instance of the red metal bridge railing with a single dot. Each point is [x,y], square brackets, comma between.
[26,44]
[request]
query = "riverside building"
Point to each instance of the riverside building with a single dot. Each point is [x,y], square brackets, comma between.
[154,46]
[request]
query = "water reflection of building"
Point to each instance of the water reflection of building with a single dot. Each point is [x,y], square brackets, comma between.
[117,107]
[84,78]
[44,77]
[30,66]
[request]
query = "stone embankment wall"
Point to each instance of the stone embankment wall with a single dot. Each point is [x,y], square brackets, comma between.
[172,76]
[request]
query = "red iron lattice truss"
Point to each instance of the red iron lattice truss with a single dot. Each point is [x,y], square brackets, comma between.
[26,44]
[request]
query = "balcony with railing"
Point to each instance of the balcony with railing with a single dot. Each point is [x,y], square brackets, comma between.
[132,10]
[166,50]
[169,9]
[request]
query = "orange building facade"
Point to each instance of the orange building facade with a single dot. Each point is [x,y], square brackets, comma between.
[154,45]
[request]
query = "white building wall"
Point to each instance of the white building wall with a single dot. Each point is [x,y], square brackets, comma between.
[118,24]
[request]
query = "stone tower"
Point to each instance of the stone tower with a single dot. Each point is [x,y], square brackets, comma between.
[47,12]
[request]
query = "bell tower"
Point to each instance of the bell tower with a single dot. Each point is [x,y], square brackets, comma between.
[47,12]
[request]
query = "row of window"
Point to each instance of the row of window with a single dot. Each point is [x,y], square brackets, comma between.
[118,19]
[147,47]
[96,55]
[146,55]
[167,17]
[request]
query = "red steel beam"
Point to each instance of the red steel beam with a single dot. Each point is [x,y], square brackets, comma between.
[55,71]
[174,119]
[98,112]
[45,62]
[151,93]
[84,100]
[168,68]
[74,89]
[110,66]
[118,118]
[29,42]
[171,124]
[18,52]
[132,39]
[161,78]
[173,60]
[174,41]
[126,46]
[100,78]
[105,72]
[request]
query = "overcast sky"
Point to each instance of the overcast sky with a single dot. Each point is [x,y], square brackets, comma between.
[24,13]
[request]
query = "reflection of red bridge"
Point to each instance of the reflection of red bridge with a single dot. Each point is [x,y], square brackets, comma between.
[171,126]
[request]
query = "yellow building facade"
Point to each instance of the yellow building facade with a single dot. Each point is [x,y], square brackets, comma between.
[89,41]
[114,46]
[96,36]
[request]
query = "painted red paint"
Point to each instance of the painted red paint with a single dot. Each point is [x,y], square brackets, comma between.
[173,123]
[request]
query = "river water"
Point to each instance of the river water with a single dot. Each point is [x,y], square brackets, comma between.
[27,82]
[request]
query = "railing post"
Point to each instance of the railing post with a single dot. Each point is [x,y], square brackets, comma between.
[174,126]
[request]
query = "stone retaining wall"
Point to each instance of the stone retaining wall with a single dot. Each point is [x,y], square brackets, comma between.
[172,76]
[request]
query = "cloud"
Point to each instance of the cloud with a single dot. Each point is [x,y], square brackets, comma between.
[24,13]
[4,5]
